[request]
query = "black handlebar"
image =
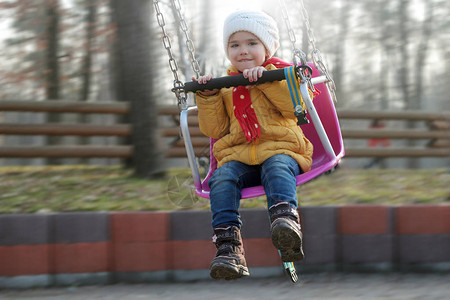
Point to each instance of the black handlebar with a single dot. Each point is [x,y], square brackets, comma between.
[235,80]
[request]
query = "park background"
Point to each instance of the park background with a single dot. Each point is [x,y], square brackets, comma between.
[386,56]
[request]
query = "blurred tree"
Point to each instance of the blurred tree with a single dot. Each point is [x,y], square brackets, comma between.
[390,54]
[52,66]
[86,66]
[415,101]
[27,68]
[37,38]
[426,35]
[340,54]
[384,18]
[204,49]
[184,63]
[52,41]
[28,54]
[135,45]
[86,72]
[404,39]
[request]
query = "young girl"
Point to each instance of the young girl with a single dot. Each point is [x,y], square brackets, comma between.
[259,143]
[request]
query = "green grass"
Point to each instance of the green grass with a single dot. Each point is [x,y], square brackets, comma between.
[93,188]
[392,187]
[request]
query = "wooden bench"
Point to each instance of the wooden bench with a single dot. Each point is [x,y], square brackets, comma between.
[437,132]
[439,135]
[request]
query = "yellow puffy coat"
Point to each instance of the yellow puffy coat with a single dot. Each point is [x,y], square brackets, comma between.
[280,133]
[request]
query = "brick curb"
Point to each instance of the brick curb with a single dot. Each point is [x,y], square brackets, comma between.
[38,250]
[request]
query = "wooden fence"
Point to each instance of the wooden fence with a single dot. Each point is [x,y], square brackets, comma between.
[437,132]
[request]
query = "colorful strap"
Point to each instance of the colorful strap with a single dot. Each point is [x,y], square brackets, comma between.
[292,80]
[294,90]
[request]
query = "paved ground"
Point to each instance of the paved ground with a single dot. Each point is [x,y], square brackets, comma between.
[336,286]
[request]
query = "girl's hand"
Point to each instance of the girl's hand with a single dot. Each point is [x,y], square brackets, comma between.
[253,74]
[203,80]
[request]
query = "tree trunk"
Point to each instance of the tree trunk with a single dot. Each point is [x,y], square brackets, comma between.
[415,101]
[91,20]
[135,63]
[52,89]
[422,55]
[385,42]
[404,67]
[206,35]
[339,63]
[52,68]
[403,48]
[115,85]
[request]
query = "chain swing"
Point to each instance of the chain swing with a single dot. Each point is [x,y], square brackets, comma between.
[178,86]
[323,132]
[299,57]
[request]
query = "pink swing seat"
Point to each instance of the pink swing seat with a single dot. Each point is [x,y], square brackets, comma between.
[322,161]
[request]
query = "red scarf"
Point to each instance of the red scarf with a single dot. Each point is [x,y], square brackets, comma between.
[243,108]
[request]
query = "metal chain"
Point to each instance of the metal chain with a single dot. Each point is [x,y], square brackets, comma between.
[299,57]
[178,86]
[189,43]
[316,56]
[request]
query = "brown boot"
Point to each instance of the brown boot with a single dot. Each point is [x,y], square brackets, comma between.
[229,262]
[285,231]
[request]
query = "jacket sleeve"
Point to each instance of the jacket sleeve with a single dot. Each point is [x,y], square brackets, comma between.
[212,116]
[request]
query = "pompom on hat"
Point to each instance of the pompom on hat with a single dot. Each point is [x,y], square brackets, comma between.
[260,24]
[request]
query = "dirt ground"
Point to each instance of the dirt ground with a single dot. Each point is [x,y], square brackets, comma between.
[338,286]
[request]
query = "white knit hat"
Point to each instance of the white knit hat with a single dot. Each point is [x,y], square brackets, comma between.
[258,23]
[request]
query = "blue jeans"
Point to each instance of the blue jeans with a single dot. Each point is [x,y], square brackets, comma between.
[276,175]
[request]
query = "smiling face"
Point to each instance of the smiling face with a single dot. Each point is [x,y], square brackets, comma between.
[246,51]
